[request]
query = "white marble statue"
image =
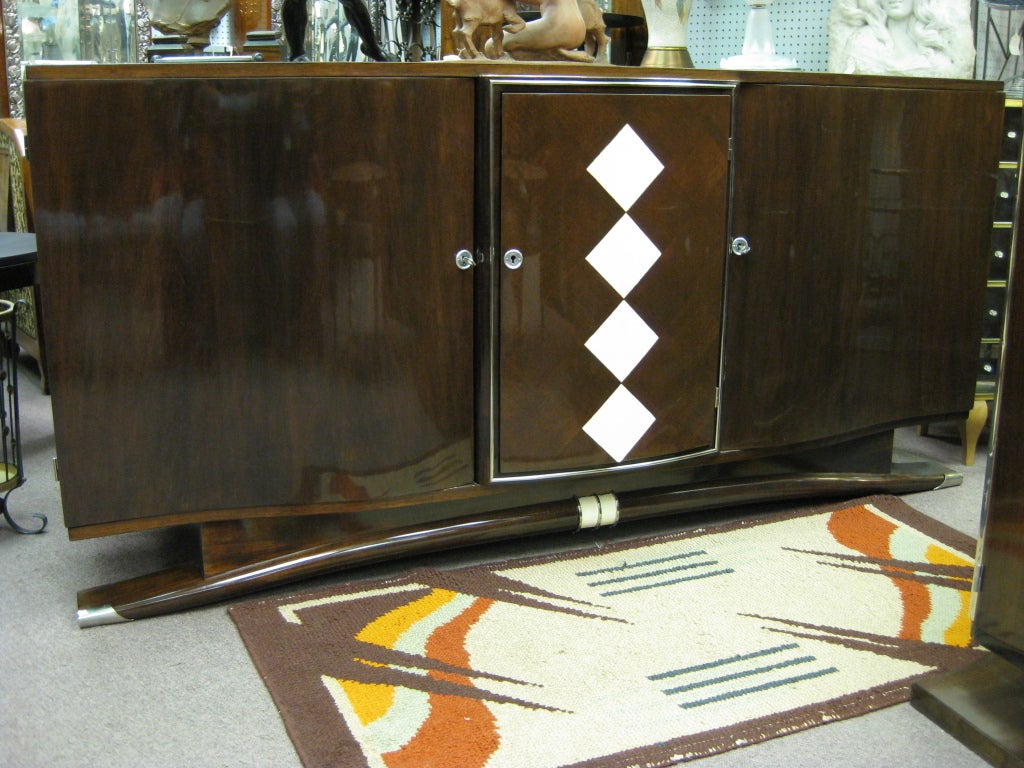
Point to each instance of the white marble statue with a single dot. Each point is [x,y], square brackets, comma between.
[924,38]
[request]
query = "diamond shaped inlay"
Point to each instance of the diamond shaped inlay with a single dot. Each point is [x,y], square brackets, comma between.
[624,255]
[626,167]
[619,424]
[622,341]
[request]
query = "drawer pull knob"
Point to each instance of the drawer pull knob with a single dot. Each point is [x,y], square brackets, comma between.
[464,259]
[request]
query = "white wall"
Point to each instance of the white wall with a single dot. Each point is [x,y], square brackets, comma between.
[801,31]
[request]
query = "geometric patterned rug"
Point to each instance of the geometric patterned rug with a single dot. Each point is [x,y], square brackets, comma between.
[649,652]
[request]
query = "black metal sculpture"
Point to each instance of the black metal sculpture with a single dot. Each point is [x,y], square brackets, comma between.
[295,16]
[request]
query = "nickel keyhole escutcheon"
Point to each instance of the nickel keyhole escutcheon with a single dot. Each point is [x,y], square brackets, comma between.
[464,259]
[513,258]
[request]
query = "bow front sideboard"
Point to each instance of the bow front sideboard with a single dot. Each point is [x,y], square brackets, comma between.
[320,315]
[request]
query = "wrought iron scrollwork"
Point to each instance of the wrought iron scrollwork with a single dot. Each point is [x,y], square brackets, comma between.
[408,30]
[12,470]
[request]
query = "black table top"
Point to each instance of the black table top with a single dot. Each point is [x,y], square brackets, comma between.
[611,20]
[17,260]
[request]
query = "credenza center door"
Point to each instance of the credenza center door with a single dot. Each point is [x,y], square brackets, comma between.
[613,217]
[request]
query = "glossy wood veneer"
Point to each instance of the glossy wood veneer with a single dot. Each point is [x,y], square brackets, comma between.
[265,322]
[557,299]
[283,551]
[248,315]
[861,298]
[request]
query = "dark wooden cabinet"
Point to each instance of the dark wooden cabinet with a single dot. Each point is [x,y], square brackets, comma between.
[263,332]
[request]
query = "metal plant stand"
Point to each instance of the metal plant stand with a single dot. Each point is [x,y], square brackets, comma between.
[12,472]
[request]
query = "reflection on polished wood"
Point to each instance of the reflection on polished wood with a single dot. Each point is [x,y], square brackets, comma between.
[283,551]
[862,303]
[553,302]
[264,300]
[263,335]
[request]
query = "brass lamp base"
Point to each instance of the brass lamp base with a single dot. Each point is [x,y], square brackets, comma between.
[674,58]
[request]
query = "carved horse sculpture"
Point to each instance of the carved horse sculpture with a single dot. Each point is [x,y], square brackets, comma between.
[555,35]
[295,16]
[596,41]
[563,26]
[499,15]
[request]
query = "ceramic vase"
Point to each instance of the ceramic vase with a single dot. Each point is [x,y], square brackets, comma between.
[666,33]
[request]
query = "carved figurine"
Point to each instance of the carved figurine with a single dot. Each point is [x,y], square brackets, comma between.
[470,15]
[597,40]
[563,27]
[557,34]
[295,16]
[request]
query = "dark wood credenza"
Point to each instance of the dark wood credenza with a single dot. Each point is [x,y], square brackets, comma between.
[261,331]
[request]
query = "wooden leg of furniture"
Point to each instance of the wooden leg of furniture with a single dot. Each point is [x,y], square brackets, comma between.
[980,705]
[970,430]
[240,557]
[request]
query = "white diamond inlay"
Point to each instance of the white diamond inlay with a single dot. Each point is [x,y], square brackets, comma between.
[624,255]
[626,167]
[619,424]
[622,341]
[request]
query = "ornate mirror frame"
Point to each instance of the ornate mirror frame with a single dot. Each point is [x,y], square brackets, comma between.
[386,14]
[14,48]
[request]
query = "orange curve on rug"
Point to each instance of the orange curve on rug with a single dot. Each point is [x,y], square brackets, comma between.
[864,531]
[457,731]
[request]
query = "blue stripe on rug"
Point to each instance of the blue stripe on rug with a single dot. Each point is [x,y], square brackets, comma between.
[643,563]
[642,587]
[757,689]
[723,662]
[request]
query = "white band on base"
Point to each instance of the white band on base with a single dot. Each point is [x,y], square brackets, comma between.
[598,511]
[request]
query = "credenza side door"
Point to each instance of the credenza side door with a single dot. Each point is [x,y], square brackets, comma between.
[266,313]
[856,305]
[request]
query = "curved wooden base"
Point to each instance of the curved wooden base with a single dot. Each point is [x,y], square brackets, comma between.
[185,588]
